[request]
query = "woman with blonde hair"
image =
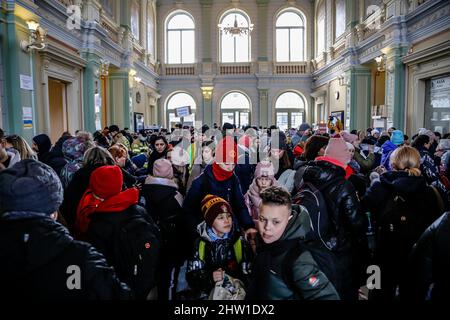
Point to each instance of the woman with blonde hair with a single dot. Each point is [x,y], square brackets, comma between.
[402,206]
[21,145]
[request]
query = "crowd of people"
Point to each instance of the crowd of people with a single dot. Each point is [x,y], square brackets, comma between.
[226,213]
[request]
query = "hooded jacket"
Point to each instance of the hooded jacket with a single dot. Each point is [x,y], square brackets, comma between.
[57,162]
[269,278]
[162,199]
[37,253]
[387,148]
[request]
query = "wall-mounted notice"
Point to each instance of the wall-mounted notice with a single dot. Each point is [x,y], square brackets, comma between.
[26,82]
[27,115]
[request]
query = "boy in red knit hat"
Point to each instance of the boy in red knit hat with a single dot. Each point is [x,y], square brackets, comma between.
[219,250]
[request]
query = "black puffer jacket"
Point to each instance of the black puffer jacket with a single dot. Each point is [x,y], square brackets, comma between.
[351,244]
[35,255]
[269,278]
[430,263]
[330,179]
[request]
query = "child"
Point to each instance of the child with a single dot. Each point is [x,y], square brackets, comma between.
[278,273]
[220,248]
[264,178]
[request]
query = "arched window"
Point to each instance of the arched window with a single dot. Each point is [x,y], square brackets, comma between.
[150,30]
[290,33]
[339,18]
[235,108]
[177,100]
[180,39]
[235,47]
[320,28]
[290,110]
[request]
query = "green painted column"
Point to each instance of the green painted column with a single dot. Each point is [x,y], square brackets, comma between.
[89,84]
[13,123]
[351,14]
[119,98]
[262,29]
[357,113]
[206,30]
[263,108]
[395,86]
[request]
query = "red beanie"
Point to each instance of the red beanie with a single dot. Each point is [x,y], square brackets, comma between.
[226,151]
[212,206]
[106,181]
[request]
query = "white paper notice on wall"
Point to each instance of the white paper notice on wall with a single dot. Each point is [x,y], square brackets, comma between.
[26,82]
[27,115]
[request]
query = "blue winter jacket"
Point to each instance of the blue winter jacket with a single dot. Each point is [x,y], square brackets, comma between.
[229,190]
[387,148]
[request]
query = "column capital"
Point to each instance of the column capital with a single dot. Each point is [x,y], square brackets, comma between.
[207,92]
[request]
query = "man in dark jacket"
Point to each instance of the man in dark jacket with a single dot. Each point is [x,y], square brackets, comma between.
[430,263]
[40,260]
[277,273]
[327,174]
[42,146]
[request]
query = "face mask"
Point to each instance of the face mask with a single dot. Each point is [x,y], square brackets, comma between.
[143,139]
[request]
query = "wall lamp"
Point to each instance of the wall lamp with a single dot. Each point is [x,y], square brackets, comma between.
[37,37]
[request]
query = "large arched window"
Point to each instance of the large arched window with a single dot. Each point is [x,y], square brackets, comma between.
[320,28]
[235,48]
[290,110]
[339,18]
[177,100]
[290,33]
[150,30]
[180,39]
[235,108]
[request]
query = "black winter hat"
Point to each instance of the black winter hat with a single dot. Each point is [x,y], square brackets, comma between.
[30,186]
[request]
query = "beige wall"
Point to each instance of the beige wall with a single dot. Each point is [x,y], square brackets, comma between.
[336,104]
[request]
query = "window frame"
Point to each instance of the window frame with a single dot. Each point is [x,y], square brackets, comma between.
[289,28]
[167,30]
[249,40]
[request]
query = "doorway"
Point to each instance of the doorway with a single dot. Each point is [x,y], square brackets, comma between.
[58,108]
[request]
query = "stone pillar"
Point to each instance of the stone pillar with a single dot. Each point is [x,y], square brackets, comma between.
[264,113]
[206,30]
[261,29]
[395,87]
[357,113]
[12,89]
[120,98]
[352,13]
[91,83]
[208,116]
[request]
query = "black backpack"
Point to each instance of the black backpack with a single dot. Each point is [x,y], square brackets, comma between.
[402,222]
[324,258]
[323,214]
[130,241]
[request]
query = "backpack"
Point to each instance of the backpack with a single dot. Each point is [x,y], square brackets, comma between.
[402,222]
[322,212]
[324,258]
[137,253]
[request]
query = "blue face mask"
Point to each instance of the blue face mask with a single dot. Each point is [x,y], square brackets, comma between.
[142,139]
